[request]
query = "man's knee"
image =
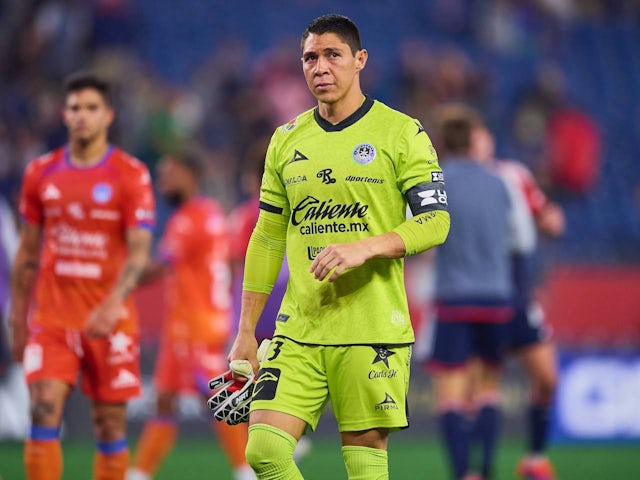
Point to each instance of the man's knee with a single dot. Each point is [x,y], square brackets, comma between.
[267,446]
[109,421]
[43,412]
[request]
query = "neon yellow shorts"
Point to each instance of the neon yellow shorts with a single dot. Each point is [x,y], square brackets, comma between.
[367,384]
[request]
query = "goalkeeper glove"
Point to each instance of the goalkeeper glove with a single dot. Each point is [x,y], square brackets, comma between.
[232,400]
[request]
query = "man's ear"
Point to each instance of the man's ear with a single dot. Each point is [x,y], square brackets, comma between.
[361,59]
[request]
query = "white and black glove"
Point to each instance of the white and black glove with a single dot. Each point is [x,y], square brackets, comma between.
[232,398]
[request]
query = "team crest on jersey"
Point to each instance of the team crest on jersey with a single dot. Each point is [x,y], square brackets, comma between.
[364,153]
[102,192]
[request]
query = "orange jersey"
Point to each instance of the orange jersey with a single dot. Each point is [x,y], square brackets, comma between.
[84,213]
[196,244]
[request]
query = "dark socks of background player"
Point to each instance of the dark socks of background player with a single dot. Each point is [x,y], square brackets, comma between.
[455,429]
[485,432]
[538,423]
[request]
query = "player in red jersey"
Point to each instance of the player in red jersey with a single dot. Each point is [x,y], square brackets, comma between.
[88,211]
[194,260]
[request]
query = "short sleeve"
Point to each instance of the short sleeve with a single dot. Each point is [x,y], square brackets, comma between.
[138,201]
[30,204]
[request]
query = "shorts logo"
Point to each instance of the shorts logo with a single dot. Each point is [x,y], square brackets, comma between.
[364,153]
[120,348]
[125,379]
[267,384]
[325,175]
[391,373]
[32,359]
[282,317]
[382,355]
[387,404]
[102,193]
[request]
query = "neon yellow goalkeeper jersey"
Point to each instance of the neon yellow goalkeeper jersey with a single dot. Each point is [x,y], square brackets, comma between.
[340,183]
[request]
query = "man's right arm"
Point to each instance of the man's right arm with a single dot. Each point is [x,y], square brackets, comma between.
[262,264]
[23,278]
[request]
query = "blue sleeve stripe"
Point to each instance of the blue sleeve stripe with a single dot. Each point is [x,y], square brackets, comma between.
[111,448]
[44,433]
[145,225]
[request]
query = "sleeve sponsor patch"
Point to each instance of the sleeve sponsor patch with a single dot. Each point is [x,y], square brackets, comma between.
[437,177]
[426,197]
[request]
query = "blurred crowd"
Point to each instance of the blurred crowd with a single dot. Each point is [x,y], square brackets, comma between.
[500,56]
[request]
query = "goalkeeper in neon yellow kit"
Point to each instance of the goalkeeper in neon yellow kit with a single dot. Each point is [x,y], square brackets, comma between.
[334,193]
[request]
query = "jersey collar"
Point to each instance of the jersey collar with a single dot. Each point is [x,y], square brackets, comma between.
[347,122]
[67,158]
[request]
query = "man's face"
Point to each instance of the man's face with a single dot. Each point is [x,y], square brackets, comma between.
[329,66]
[482,146]
[173,178]
[86,115]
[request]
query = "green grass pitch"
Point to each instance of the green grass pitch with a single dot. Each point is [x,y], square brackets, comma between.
[409,458]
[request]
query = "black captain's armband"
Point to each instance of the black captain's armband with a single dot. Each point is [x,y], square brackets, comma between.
[428,196]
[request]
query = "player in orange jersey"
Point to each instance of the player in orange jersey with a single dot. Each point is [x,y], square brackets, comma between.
[194,259]
[88,211]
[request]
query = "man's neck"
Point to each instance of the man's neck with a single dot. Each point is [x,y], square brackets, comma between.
[336,112]
[87,154]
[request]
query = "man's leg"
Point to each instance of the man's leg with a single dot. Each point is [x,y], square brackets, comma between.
[365,454]
[486,404]
[451,392]
[42,450]
[272,440]
[157,439]
[539,360]
[112,453]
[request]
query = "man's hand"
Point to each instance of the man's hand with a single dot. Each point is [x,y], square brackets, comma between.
[234,389]
[244,348]
[339,256]
[103,318]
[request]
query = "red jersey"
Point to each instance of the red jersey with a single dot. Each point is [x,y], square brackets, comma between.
[520,176]
[244,219]
[196,243]
[84,213]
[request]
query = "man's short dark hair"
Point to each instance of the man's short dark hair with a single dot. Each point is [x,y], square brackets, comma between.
[342,26]
[454,126]
[81,80]
[191,160]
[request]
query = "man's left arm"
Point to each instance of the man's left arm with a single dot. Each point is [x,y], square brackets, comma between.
[411,237]
[103,318]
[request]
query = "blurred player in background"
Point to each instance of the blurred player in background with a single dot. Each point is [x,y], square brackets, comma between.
[529,337]
[89,210]
[473,295]
[194,258]
[337,181]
